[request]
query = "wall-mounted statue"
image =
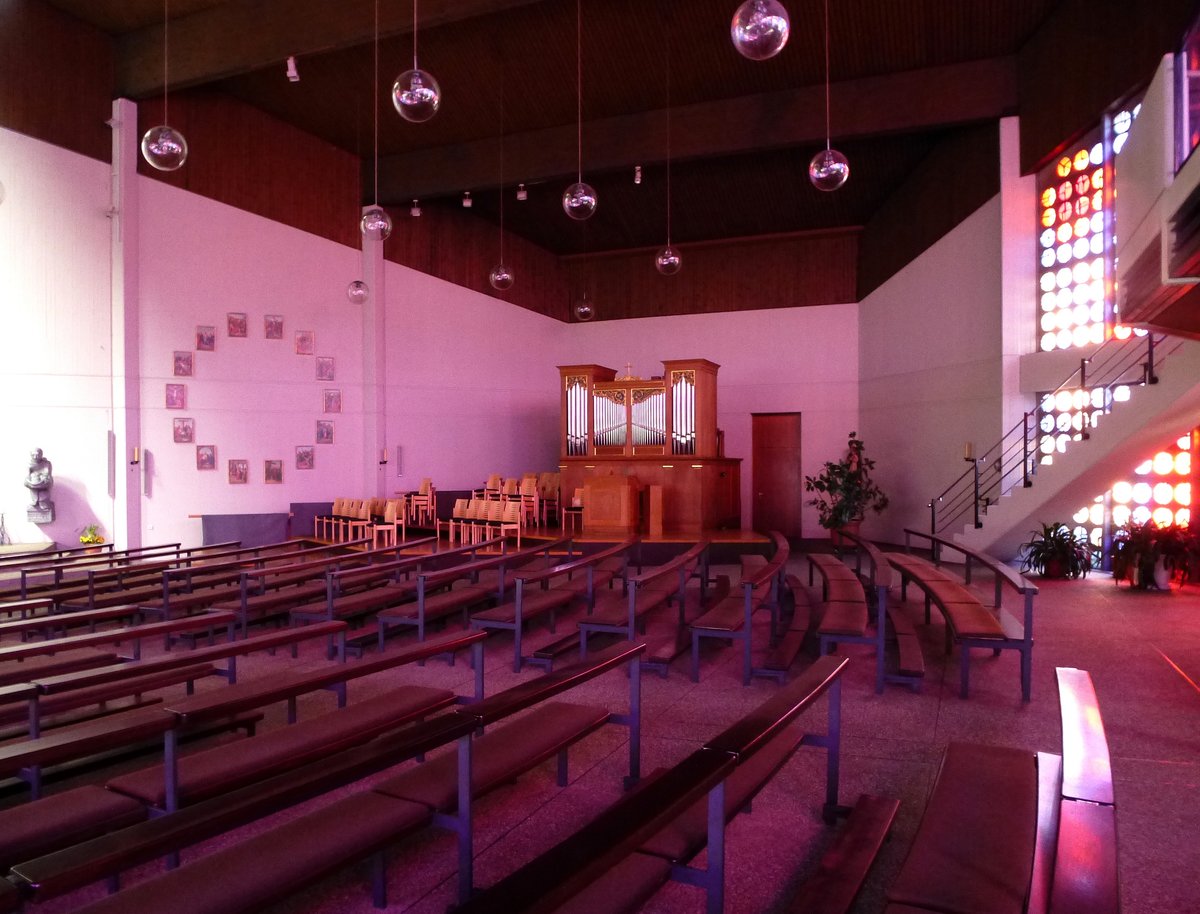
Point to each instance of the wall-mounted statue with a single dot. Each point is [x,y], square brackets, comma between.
[39,482]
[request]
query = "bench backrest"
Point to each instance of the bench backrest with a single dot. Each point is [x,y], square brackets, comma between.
[881,572]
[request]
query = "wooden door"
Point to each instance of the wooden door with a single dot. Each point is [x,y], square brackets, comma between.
[776,481]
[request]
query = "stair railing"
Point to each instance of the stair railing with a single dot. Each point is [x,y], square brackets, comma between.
[1015,458]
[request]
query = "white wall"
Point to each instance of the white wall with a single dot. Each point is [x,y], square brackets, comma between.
[471,384]
[930,362]
[801,360]
[254,399]
[55,335]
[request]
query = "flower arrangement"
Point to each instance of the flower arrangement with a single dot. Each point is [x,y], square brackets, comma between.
[91,535]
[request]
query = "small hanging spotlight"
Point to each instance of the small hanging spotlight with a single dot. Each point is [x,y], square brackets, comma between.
[522,193]
[637,174]
[415,209]
[293,74]
[467,202]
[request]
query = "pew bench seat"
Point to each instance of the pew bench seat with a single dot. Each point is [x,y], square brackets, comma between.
[63,819]
[220,769]
[67,661]
[780,657]
[500,755]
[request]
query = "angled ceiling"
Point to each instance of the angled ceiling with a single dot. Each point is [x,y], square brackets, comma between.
[907,77]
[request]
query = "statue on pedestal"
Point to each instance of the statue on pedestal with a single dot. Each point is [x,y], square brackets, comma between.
[39,482]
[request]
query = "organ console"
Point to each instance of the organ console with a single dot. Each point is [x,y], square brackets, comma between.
[660,431]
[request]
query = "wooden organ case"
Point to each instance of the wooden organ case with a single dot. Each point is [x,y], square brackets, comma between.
[656,432]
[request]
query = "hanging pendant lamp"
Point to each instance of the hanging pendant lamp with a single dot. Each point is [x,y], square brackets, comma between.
[416,93]
[501,277]
[828,169]
[579,200]
[668,260]
[375,223]
[760,29]
[163,147]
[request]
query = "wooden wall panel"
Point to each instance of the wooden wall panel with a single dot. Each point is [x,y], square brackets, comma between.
[56,78]
[446,242]
[241,156]
[958,177]
[1087,57]
[785,271]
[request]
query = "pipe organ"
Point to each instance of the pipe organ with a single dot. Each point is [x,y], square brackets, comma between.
[653,429]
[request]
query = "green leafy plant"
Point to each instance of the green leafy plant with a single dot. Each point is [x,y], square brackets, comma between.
[91,535]
[1056,552]
[845,490]
[1138,548]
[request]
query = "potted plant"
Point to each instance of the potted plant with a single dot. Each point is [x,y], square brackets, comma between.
[1148,555]
[845,490]
[91,536]
[1056,552]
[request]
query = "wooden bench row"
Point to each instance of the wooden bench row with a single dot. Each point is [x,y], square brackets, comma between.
[732,619]
[969,623]
[275,863]
[617,861]
[1009,831]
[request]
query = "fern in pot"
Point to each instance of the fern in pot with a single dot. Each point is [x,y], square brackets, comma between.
[1056,552]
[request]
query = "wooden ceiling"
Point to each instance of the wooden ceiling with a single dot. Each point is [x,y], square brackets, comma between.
[907,77]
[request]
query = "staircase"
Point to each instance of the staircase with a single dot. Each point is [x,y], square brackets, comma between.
[1013,494]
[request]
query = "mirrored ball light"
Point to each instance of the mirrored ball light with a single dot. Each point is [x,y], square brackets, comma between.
[828,170]
[583,309]
[579,201]
[668,261]
[376,224]
[416,95]
[164,148]
[760,29]
[357,292]
[501,277]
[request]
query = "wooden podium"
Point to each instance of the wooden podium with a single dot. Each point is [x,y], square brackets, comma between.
[660,434]
[611,503]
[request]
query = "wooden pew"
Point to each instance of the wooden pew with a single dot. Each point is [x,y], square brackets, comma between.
[486,579]
[878,577]
[611,853]
[276,863]
[544,592]
[969,623]
[1045,840]
[732,619]
[135,633]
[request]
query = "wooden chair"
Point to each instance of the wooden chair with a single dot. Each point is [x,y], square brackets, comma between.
[511,490]
[393,522]
[574,511]
[491,488]
[512,520]
[358,526]
[323,523]
[530,501]
[460,508]
[422,505]
[340,529]
[548,497]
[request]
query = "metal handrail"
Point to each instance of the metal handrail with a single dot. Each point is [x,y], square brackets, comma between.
[1015,457]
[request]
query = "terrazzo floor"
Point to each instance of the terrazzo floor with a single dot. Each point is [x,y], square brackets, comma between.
[1142,649]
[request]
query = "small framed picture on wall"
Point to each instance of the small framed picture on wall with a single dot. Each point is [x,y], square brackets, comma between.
[306,342]
[235,323]
[324,368]
[206,456]
[206,339]
[332,402]
[273,326]
[176,396]
[304,457]
[185,430]
[273,471]
[239,472]
[324,431]
[183,364]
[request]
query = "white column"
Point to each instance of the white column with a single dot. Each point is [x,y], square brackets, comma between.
[125,477]
[378,477]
